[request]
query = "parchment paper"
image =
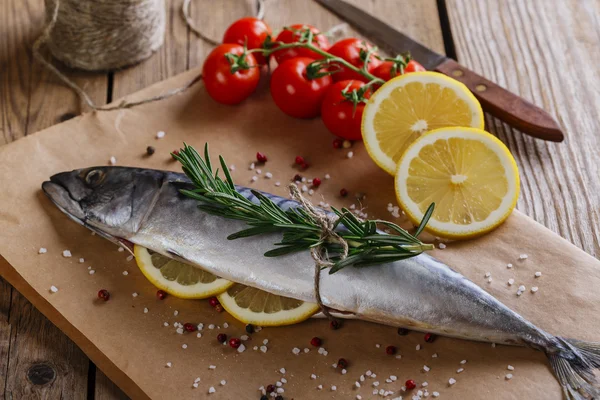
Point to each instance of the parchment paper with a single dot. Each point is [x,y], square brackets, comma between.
[133,347]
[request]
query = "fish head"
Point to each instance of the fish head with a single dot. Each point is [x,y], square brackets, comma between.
[112,201]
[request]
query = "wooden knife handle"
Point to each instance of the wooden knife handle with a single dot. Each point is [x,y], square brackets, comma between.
[505,105]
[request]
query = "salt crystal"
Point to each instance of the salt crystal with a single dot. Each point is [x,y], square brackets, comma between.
[92,272]
[434,355]
[200,326]
[523,257]
[125,273]
[232,167]
[268,175]
[463,362]
[211,326]
[344,372]
[53,289]
[320,387]
[511,281]
[378,345]
[254,178]
[359,397]
[198,335]
[538,274]
[327,176]
[42,250]
[282,370]
[458,371]
[160,134]
[509,265]
[263,349]
[362,378]
[375,391]
[146,310]
[168,365]
[304,188]
[313,376]
[223,382]
[488,274]
[388,380]
[255,348]
[451,381]
[393,378]
[278,184]
[81,260]
[66,253]
[311,192]
[283,380]
[258,171]
[194,385]
[510,368]
[211,390]
[522,288]
[112,160]
[489,279]
[534,289]
[179,331]
[303,179]
[426,368]
[436,394]
[333,388]
[350,154]
[376,383]
[442,246]
[306,350]
[509,376]
[296,350]
[368,373]
[212,367]
[357,384]
[418,347]
[424,384]
[280,390]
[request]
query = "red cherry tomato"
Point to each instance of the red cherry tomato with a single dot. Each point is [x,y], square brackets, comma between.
[339,114]
[248,31]
[414,66]
[350,49]
[292,34]
[223,86]
[294,93]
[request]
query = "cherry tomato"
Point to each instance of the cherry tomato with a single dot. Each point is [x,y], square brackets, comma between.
[248,31]
[223,86]
[350,49]
[339,114]
[294,93]
[385,71]
[414,66]
[292,34]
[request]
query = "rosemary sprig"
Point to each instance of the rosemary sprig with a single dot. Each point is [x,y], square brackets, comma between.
[367,245]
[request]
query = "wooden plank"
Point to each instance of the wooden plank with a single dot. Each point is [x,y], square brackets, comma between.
[545,50]
[36,359]
[106,390]
[31,98]
[43,363]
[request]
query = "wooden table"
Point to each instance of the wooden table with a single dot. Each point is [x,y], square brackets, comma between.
[546,50]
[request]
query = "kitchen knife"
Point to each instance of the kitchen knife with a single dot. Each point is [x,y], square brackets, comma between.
[498,101]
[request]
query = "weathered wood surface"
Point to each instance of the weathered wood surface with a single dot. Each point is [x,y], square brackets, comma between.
[540,49]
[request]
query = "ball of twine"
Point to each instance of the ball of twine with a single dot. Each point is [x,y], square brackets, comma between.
[104,34]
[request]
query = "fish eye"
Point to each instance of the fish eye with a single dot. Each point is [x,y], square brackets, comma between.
[94,177]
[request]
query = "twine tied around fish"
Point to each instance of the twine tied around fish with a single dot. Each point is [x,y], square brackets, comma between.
[319,253]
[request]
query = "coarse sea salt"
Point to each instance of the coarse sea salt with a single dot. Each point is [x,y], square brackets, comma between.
[509,265]
[463,362]
[511,281]
[42,250]
[509,376]
[350,154]
[160,134]
[81,260]
[212,367]
[168,365]
[313,376]
[268,175]
[134,294]
[538,274]
[523,257]
[112,160]
[451,381]
[436,394]
[125,273]
[120,249]
[442,246]
[66,253]
[146,310]
[534,289]
[510,368]
[458,371]
[418,347]
[241,349]
[92,272]
[53,289]
[211,389]
[426,368]
[263,349]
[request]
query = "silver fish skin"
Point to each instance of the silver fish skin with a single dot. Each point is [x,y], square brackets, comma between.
[145,207]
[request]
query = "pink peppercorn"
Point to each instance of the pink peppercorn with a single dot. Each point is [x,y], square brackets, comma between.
[410,384]
[261,158]
[316,341]
[235,342]
[103,294]
[161,294]
[189,327]
[316,182]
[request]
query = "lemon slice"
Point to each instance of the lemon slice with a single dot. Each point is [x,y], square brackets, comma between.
[176,278]
[469,174]
[409,105]
[257,307]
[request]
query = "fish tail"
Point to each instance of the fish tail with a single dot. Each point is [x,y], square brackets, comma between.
[574,363]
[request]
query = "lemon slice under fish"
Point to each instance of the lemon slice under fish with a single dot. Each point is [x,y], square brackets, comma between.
[176,278]
[257,307]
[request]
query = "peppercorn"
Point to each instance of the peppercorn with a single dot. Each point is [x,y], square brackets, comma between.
[429,337]
[402,331]
[391,350]
[235,342]
[250,328]
[316,341]
[342,363]
[221,337]
[335,324]
[264,397]
[150,150]
[189,327]
[161,294]
[261,158]
[316,182]
[270,388]
[343,192]
[337,143]
[410,384]
[103,295]
[213,301]
[297,178]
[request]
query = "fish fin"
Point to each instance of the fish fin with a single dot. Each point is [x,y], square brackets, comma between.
[574,366]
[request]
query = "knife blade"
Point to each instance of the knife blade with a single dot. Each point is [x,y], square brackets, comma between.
[504,105]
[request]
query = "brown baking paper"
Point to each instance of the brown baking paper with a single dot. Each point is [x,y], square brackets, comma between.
[133,347]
